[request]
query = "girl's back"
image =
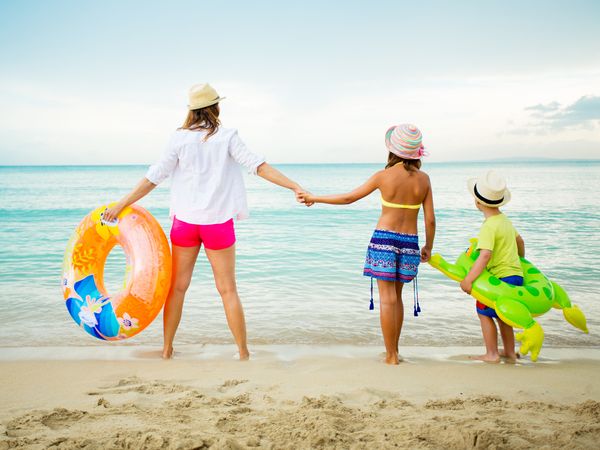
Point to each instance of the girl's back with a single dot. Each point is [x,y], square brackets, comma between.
[403,192]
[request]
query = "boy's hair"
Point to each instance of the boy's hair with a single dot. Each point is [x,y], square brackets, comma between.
[411,165]
[203,118]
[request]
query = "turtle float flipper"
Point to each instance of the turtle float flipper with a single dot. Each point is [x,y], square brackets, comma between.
[572,313]
[517,315]
[531,339]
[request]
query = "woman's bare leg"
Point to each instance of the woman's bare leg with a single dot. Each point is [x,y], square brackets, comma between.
[399,311]
[388,303]
[223,266]
[184,259]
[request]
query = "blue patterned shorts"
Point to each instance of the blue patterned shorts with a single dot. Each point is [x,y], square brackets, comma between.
[392,256]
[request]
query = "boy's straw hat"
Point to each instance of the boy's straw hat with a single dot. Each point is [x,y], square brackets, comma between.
[489,189]
[202,95]
[404,140]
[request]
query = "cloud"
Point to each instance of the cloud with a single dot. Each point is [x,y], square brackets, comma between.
[583,113]
[541,110]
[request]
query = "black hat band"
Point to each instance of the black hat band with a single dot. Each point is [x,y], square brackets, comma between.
[483,199]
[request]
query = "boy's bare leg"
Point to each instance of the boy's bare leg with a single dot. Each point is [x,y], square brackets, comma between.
[508,341]
[490,338]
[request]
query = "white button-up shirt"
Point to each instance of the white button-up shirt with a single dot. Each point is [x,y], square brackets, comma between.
[207,185]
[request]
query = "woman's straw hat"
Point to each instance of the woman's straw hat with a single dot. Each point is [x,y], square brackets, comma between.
[202,95]
[404,140]
[489,189]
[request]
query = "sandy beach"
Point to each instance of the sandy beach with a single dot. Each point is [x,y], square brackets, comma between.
[295,397]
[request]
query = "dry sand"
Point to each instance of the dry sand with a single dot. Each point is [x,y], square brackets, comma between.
[290,398]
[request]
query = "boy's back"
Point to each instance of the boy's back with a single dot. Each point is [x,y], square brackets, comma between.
[498,235]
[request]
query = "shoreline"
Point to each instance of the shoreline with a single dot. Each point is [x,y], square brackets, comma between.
[296,397]
[282,352]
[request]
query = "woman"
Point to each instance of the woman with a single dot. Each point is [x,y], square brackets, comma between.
[393,254]
[207,194]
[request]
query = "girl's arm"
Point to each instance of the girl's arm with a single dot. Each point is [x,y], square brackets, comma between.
[342,199]
[139,191]
[481,263]
[429,214]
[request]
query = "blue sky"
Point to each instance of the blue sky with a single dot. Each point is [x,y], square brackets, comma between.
[106,82]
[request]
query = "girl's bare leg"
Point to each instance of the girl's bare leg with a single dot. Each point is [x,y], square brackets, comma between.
[223,266]
[490,338]
[388,303]
[399,311]
[184,259]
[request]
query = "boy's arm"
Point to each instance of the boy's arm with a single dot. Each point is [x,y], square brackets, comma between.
[521,246]
[480,264]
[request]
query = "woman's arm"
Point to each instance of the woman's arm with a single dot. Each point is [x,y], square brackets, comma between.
[273,175]
[429,213]
[343,199]
[139,191]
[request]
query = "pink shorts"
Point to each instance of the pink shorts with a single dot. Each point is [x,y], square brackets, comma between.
[214,237]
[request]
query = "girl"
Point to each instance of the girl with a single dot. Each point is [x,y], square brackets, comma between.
[207,194]
[393,253]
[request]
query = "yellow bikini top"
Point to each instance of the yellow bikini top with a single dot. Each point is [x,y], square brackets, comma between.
[398,205]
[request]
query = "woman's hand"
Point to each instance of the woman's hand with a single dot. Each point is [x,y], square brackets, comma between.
[111,214]
[425,254]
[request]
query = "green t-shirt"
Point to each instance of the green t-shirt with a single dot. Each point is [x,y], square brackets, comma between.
[498,235]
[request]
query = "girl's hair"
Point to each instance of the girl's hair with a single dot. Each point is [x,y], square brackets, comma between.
[203,119]
[411,165]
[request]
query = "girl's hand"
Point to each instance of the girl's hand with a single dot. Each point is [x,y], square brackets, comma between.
[111,214]
[425,254]
[466,286]
[305,197]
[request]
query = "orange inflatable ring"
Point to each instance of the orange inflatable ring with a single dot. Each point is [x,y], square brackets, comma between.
[148,273]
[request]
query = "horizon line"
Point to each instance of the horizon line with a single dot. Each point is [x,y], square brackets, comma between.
[471,161]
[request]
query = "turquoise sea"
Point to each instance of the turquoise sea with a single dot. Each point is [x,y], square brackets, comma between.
[300,269]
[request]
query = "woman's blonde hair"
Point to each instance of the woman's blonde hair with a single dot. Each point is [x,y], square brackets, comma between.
[203,119]
[411,165]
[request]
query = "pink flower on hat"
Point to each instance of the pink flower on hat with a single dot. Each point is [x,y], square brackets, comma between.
[404,140]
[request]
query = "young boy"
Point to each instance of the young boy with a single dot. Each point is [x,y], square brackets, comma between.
[499,247]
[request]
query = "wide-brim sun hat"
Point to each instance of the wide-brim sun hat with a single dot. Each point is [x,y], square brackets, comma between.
[489,189]
[405,141]
[202,95]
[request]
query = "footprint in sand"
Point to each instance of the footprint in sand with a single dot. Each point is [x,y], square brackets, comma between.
[229,384]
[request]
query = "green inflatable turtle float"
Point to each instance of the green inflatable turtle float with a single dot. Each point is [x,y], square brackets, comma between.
[515,305]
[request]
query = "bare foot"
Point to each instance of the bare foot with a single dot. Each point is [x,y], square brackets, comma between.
[494,359]
[392,359]
[167,353]
[511,356]
[384,355]
[244,355]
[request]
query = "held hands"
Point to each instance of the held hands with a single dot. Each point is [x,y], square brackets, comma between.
[304,197]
